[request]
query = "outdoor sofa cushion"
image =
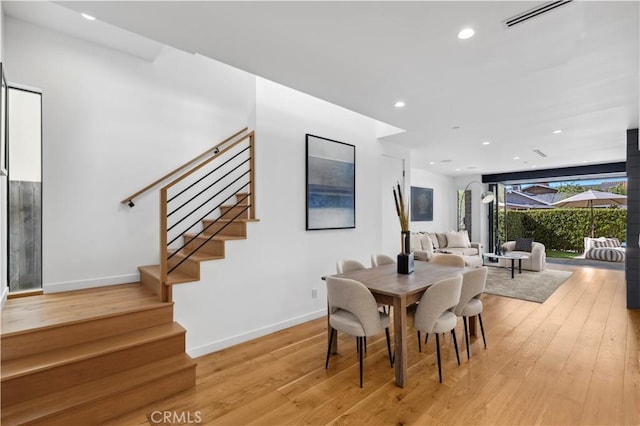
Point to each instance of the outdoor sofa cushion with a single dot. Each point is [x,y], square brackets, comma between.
[610,254]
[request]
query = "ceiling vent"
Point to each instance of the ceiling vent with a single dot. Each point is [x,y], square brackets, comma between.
[532,13]
[540,153]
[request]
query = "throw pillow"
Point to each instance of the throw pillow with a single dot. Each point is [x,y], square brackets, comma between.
[434,240]
[606,242]
[427,245]
[442,240]
[523,244]
[415,241]
[465,237]
[614,242]
[458,239]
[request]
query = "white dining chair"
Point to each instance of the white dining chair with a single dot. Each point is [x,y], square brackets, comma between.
[353,310]
[434,313]
[473,283]
[381,259]
[349,265]
[448,259]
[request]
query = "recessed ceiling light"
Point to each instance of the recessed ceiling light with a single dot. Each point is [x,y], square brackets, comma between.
[457,170]
[432,162]
[399,104]
[88,17]
[486,143]
[555,132]
[516,158]
[466,33]
[534,166]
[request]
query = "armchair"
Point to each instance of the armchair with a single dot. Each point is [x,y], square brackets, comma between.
[537,257]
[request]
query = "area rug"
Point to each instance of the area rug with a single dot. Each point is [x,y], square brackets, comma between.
[531,286]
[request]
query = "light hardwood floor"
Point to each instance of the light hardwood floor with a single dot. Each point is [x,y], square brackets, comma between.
[574,359]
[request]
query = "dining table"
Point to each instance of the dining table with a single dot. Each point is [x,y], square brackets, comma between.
[399,291]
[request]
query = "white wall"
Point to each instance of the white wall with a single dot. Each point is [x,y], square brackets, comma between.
[266,282]
[112,124]
[444,201]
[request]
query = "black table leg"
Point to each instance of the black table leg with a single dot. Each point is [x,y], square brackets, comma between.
[519,266]
[513,266]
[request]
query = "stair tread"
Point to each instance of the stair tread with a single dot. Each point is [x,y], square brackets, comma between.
[176,277]
[231,220]
[86,393]
[42,361]
[217,237]
[64,308]
[199,256]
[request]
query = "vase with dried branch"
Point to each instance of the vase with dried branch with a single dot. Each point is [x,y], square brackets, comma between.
[405,259]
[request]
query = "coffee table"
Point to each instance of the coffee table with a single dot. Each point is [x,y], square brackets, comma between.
[513,258]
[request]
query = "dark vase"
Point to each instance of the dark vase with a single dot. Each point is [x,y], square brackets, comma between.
[498,249]
[405,259]
[406,241]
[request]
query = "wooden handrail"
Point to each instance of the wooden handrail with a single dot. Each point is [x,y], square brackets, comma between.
[207,161]
[130,198]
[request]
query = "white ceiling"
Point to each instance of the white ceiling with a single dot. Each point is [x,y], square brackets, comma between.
[576,69]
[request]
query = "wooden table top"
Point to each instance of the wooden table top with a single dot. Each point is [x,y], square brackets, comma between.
[386,280]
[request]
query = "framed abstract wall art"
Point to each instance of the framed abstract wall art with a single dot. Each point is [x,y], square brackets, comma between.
[421,204]
[330,184]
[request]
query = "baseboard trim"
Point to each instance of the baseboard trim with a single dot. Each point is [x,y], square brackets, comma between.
[241,338]
[5,293]
[91,283]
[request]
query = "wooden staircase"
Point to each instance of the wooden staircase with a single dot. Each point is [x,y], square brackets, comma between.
[85,356]
[213,248]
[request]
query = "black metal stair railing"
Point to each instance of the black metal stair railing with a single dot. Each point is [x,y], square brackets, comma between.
[210,185]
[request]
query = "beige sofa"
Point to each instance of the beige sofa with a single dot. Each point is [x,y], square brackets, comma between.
[424,245]
[537,256]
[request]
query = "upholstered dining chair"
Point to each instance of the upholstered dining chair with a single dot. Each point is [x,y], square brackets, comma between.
[473,283]
[448,259]
[381,259]
[378,260]
[353,310]
[434,313]
[349,265]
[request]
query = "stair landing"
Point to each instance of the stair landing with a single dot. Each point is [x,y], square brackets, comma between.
[50,310]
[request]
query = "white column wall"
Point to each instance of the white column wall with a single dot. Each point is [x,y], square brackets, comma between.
[112,124]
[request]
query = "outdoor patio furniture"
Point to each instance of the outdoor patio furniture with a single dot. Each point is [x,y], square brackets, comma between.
[608,249]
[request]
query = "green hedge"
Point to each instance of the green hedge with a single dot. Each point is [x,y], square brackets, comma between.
[564,229]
